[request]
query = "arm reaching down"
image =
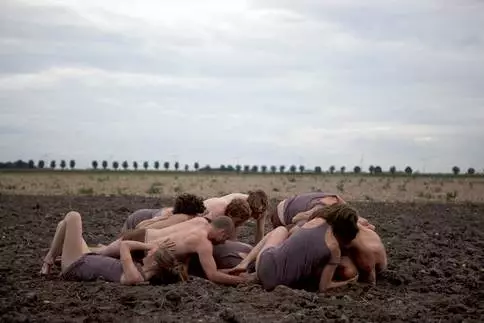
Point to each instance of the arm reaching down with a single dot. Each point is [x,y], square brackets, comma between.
[260,227]
[131,275]
[205,254]
[326,281]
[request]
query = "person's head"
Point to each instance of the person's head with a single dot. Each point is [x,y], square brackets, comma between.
[222,229]
[162,266]
[258,202]
[188,204]
[343,220]
[239,211]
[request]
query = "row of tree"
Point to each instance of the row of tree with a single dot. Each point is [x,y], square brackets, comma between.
[63,164]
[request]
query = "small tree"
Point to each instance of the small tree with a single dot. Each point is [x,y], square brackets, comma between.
[105,164]
[41,164]
[254,169]
[471,171]
[408,170]
[456,170]
[230,168]
[273,169]
[282,168]
[72,163]
[115,165]
[94,164]
[393,170]
[222,168]
[378,170]
[63,164]
[177,165]
[238,168]
[246,168]
[371,169]
[31,164]
[157,165]
[264,168]
[125,165]
[332,168]
[145,165]
[166,165]
[318,169]
[196,166]
[293,168]
[342,169]
[186,167]
[52,164]
[135,165]
[357,169]
[301,168]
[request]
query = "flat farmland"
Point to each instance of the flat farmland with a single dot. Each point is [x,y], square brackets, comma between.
[352,187]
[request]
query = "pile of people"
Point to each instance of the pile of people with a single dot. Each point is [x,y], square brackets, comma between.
[318,242]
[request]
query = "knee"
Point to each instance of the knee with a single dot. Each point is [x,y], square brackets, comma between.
[72,216]
[281,231]
[348,272]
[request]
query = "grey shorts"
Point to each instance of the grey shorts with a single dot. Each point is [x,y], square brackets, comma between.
[139,216]
[267,269]
[91,267]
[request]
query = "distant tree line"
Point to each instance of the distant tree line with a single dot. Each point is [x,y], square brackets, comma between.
[115,165]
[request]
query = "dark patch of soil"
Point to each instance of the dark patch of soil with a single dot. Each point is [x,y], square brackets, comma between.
[436,271]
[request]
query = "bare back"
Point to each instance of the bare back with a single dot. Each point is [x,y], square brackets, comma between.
[216,205]
[368,242]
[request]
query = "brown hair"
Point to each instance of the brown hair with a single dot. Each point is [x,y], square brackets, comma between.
[342,218]
[258,202]
[188,204]
[239,211]
[225,223]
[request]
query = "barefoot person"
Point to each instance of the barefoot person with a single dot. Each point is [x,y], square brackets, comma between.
[186,207]
[298,208]
[312,251]
[79,264]
[366,255]
[195,236]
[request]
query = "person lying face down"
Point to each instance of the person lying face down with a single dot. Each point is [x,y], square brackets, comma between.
[195,236]
[298,209]
[186,206]
[79,264]
[241,207]
[313,250]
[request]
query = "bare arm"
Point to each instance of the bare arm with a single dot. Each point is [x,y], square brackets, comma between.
[205,254]
[259,229]
[165,223]
[304,216]
[326,281]
[131,275]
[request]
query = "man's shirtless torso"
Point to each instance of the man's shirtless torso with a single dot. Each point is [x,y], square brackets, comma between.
[216,205]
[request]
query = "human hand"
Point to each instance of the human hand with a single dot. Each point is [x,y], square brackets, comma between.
[237,270]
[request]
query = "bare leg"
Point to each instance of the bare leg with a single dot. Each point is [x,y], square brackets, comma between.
[74,245]
[111,250]
[67,241]
[346,269]
[273,238]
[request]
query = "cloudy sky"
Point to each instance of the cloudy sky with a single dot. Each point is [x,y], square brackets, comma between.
[311,82]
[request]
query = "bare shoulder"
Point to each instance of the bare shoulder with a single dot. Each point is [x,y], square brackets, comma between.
[232,196]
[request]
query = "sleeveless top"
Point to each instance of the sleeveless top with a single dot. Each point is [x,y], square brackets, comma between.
[301,203]
[302,256]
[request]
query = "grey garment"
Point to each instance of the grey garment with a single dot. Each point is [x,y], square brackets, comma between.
[298,258]
[227,256]
[301,203]
[90,267]
[139,216]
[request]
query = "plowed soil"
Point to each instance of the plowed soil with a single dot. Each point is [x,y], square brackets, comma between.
[435,274]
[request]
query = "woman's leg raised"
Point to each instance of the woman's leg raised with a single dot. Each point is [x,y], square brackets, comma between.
[74,245]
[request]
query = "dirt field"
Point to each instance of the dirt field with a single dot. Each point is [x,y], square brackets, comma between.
[351,187]
[436,274]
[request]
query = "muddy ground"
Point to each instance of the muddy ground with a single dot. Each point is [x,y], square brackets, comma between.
[436,271]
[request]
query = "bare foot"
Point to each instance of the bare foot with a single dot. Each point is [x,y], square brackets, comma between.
[46,267]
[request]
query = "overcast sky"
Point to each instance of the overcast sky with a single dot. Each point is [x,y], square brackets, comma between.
[341,82]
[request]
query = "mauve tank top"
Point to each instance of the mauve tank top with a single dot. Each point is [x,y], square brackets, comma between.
[302,255]
[301,203]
